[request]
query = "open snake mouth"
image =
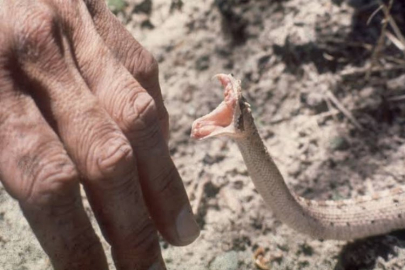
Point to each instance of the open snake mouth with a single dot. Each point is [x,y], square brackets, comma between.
[220,122]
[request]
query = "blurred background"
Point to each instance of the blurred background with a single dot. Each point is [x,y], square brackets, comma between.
[326,81]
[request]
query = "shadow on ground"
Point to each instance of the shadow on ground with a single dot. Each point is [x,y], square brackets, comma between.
[363,254]
[334,49]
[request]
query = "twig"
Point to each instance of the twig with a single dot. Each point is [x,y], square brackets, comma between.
[359,71]
[330,108]
[373,14]
[339,41]
[395,41]
[396,60]
[399,139]
[380,43]
[341,108]
[199,194]
[277,121]
[332,112]
[392,22]
[397,98]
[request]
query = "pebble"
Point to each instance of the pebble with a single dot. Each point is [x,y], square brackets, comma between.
[338,143]
[225,261]
[203,62]
[144,7]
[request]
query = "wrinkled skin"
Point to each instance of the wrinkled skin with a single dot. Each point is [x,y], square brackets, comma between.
[80,103]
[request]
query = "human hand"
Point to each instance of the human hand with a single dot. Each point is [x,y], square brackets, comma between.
[80,102]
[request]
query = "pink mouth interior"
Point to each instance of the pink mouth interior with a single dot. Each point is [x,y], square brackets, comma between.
[218,121]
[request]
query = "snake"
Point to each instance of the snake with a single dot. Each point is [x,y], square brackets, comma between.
[347,219]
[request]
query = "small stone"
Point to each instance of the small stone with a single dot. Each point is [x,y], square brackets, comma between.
[262,62]
[228,64]
[314,101]
[338,143]
[231,200]
[306,249]
[203,62]
[294,169]
[396,84]
[225,261]
[143,7]
[212,159]
[147,24]
[223,51]
[176,5]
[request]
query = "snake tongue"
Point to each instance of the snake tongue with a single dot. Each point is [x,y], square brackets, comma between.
[219,122]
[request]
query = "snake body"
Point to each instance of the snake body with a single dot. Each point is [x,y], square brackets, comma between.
[342,220]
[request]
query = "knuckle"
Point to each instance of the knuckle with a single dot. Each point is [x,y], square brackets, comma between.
[149,64]
[52,180]
[109,156]
[143,113]
[140,121]
[144,65]
[140,112]
[36,33]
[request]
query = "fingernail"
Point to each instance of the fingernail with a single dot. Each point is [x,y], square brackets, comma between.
[187,228]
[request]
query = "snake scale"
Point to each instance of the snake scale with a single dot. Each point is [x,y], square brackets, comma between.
[348,219]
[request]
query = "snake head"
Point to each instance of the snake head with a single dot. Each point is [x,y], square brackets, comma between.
[227,118]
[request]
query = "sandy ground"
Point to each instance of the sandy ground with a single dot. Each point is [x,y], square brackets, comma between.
[293,58]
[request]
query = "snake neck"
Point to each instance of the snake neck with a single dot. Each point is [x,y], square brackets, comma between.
[342,220]
[267,178]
